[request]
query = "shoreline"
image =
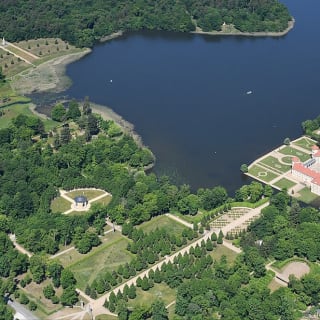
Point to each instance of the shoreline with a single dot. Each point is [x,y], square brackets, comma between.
[249,34]
[108,114]
[48,76]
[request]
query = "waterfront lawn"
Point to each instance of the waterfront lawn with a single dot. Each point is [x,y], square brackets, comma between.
[274,163]
[290,151]
[159,291]
[12,111]
[107,257]
[306,195]
[60,205]
[222,250]
[172,226]
[88,193]
[305,143]
[261,173]
[284,183]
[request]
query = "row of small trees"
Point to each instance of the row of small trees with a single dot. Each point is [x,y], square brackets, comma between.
[188,266]
[147,248]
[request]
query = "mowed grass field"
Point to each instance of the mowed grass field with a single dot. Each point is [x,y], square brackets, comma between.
[34,292]
[307,196]
[159,291]
[12,111]
[107,257]
[305,143]
[274,164]
[172,226]
[60,205]
[262,173]
[220,251]
[11,64]
[88,193]
[285,183]
[291,151]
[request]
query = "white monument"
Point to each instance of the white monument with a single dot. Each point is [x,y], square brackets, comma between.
[3,42]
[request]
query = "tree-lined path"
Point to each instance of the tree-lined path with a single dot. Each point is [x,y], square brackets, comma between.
[97,305]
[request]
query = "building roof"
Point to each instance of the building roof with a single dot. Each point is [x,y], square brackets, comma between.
[80,199]
[308,172]
[317,154]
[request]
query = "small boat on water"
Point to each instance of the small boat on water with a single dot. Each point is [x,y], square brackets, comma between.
[249,92]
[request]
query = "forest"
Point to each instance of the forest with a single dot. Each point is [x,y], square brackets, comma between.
[84,22]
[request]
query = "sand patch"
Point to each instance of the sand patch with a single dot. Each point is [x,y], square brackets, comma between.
[297,268]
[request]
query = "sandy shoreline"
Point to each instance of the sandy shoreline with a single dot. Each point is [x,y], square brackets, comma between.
[48,76]
[108,114]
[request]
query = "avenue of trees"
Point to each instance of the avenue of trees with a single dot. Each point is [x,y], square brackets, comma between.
[207,287]
[84,22]
[147,249]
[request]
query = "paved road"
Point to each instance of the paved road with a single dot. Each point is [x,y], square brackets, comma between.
[21,312]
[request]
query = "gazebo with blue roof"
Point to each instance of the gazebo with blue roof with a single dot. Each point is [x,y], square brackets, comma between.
[81,200]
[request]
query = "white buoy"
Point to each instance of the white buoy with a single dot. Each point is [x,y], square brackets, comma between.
[111,80]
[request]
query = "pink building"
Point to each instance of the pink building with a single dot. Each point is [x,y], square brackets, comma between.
[305,172]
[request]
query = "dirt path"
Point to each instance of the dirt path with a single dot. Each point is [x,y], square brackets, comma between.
[187,224]
[18,246]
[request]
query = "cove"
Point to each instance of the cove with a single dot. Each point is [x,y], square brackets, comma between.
[186,94]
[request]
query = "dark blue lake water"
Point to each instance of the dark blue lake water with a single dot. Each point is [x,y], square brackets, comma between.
[186,94]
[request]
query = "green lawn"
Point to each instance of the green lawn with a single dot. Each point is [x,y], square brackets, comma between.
[305,143]
[274,163]
[261,173]
[307,196]
[274,285]
[290,151]
[104,200]
[220,251]
[172,226]
[287,159]
[12,111]
[60,205]
[285,183]
[106,257]
[263,282]
[105,317]
[88,193]
[160,290]
[34,292]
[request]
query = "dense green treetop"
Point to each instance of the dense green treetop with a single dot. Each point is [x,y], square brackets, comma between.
[83,22]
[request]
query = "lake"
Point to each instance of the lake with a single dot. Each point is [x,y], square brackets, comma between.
[186,94]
